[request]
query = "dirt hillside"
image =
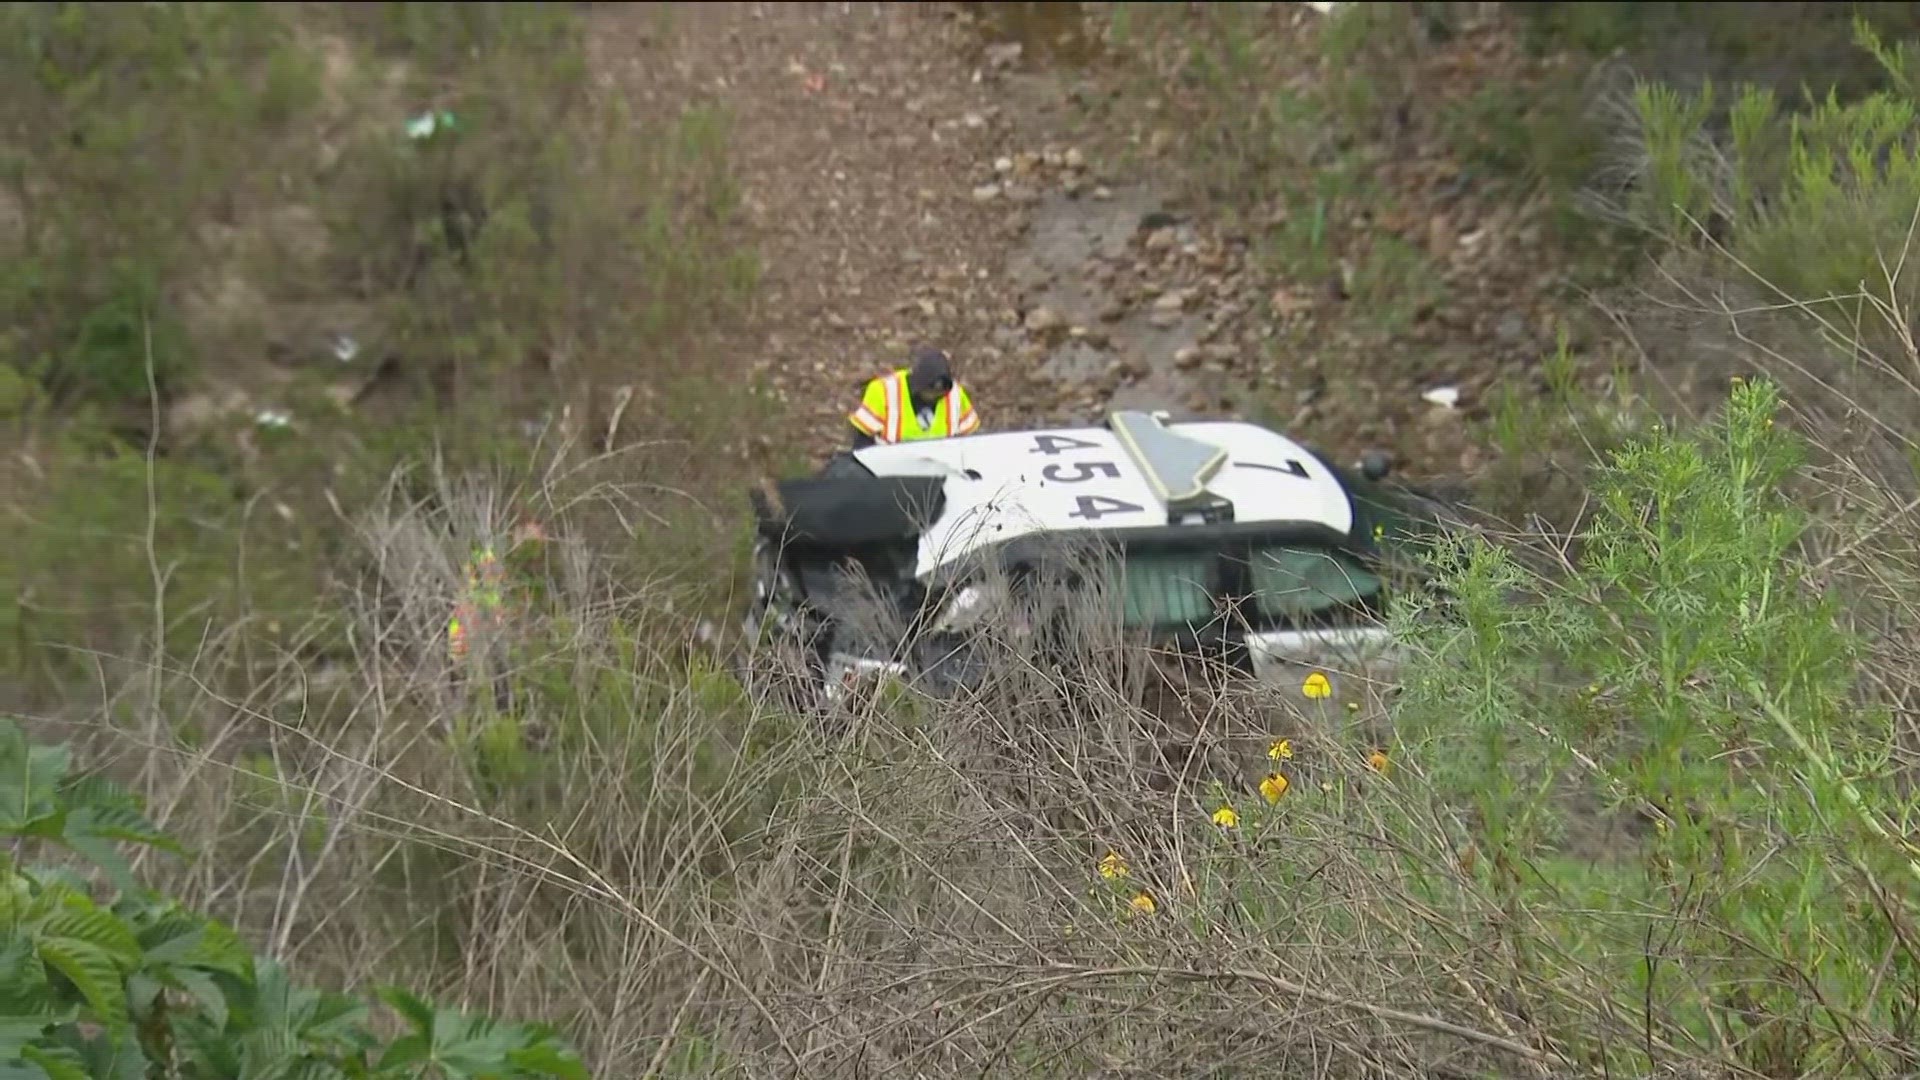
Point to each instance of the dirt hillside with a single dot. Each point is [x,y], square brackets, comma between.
[855,130]
[925,173]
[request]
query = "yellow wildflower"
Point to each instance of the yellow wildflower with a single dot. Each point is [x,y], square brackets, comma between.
[1226,818]
[1113,867]
[1377,761]
[1280,750]
[1317,687]
[1274,786]
[1142,904]
[1353,706]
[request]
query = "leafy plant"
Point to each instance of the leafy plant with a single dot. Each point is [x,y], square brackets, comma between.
[1684,676]
[135,985]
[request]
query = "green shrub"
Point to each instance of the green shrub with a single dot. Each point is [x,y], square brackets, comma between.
[136,985]
[131,123]
[1815,202]
[542,231]
[1686,679]
[1539,132]
[125,348]
[17,393]
[1783,46]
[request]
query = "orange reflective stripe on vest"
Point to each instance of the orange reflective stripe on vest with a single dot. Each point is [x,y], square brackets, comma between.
[960,418]
[896,414]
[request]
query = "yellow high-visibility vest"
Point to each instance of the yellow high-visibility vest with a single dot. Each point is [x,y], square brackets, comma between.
[482,603]
[886,412]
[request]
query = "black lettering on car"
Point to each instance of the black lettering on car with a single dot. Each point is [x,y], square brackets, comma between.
[1292,468]
[1095,507]
[1082,472]
[1052,445]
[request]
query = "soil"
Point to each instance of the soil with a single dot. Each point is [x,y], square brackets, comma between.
[994,179]
[927,172]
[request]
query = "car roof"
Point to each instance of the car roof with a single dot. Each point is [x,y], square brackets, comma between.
[1136,472]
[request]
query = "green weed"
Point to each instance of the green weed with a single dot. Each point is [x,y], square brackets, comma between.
[137,982]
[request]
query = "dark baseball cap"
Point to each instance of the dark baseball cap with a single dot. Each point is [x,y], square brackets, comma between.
[930,368]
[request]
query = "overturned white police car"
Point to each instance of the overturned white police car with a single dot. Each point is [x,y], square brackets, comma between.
[1218,539]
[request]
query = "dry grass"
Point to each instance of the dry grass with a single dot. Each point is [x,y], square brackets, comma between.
[695,882]
[681,873]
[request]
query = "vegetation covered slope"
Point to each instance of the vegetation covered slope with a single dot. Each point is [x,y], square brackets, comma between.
[279,368]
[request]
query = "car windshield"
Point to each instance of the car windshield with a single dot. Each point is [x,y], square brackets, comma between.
[1295,582]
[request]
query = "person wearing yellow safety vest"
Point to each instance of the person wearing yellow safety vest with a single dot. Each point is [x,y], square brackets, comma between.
[920,401]
[485,604]
[479,607]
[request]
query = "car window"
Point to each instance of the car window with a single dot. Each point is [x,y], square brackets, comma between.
[1167,588]
[1292,582]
